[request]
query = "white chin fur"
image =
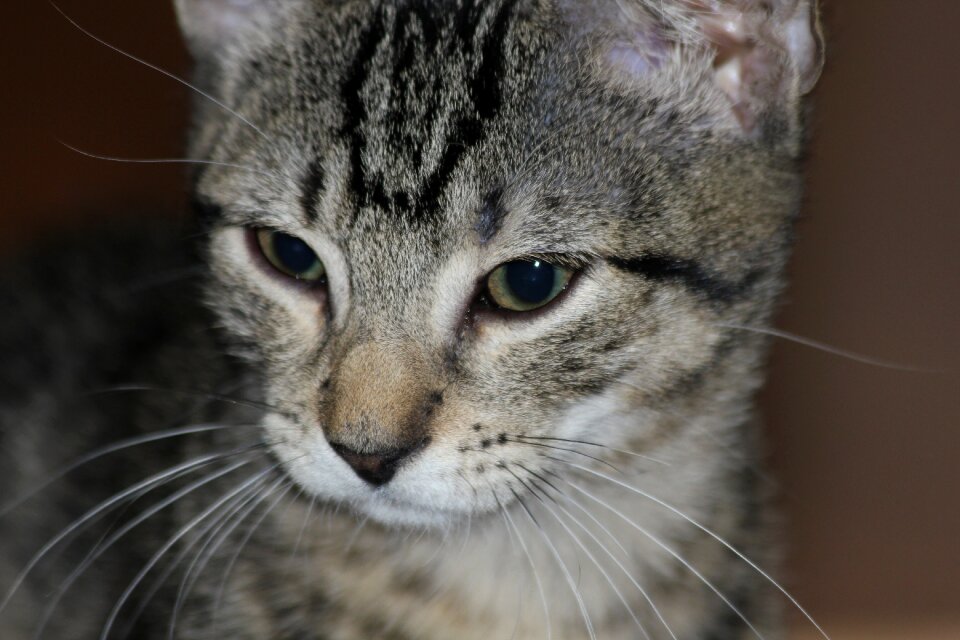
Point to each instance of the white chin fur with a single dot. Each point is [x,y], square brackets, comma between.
[425,493]
[430,490]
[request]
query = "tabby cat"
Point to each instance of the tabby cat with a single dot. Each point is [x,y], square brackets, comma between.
[473,356]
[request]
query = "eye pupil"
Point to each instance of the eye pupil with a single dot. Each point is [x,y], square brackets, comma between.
[532,281]
[525,285]
[290,255]
[293,253]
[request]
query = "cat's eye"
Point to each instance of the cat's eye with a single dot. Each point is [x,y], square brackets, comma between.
[290,255]
[525,285]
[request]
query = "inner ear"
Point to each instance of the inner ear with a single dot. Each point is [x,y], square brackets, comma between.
[764,52]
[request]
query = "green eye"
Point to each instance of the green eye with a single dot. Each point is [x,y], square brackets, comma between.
[525,285]
[290,256]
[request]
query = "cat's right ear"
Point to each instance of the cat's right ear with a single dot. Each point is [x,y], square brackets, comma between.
[762,54]
[212,26]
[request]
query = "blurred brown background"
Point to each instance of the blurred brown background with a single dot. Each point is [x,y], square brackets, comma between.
[868,458]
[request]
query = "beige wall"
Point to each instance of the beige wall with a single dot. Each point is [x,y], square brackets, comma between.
[867,457]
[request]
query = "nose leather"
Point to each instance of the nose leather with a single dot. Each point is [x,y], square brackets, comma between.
[375,468]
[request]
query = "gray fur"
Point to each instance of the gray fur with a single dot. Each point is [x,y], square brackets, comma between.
[416,146]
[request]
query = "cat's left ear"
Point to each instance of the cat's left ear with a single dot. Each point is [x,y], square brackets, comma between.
[211,26]
[763,52]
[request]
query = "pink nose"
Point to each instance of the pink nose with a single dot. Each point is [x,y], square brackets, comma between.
[376,468]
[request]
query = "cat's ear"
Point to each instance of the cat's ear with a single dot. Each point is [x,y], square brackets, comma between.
[763,52]
[213,25]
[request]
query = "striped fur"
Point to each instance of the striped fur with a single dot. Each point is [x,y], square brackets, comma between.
[574,467]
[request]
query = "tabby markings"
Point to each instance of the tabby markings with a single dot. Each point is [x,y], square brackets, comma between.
[484,58]
[689,273]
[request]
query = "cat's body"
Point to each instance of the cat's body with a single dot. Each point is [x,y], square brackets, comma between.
[432,463]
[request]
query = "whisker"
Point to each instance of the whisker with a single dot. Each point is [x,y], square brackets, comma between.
[113,448]
[161,161]
[508,519]
[686,564]
[826,348]
[203,556]
[606,550]
[558,448]
[593,518]
[118,606]
[303,526]
[590,444]
[563,567]
[129,526]
[160,580]
[221,589]
[713,535]
[159,70]
[356,533]
[590,555]
[152,481]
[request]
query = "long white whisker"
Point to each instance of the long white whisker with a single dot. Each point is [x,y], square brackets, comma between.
[164,576]
[563,567]
[303,526]
[206,395]
[154,480]
[568,449]
[212,163]
[676,556]
[536,575]
[356,534]
[826,348]
[590,555]
[592,444]
[221,530]
[113,448]
[129,526]
[713,535]
[115,611]
[592,517]
[619,564]
[221,589]
[159,70]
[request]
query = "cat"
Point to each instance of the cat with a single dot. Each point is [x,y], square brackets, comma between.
[469,358]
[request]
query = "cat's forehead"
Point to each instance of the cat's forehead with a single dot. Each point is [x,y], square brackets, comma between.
[424,88]
[413,114]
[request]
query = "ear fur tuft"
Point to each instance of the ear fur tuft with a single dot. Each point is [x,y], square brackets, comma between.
[211,25]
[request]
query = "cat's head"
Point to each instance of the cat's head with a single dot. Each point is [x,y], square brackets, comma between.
[460,239]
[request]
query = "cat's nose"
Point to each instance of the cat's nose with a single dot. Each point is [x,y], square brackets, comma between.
[376,468]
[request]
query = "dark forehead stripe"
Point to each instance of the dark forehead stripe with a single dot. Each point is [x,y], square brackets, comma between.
[689,273]
[312,187]
[482,53]
[355,109]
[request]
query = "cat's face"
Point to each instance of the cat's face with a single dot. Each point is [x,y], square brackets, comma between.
[454,238]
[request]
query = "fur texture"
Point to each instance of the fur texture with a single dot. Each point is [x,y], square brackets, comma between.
[568,472]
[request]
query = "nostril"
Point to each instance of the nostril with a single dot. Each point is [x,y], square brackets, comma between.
[376,468]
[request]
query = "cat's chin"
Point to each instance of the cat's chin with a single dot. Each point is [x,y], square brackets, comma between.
[398,514]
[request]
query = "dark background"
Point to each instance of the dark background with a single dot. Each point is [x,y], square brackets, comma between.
[867,457]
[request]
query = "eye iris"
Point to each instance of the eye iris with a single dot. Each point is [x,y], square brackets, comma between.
[525,285]
[290,255]
[293,253]
[531,282]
